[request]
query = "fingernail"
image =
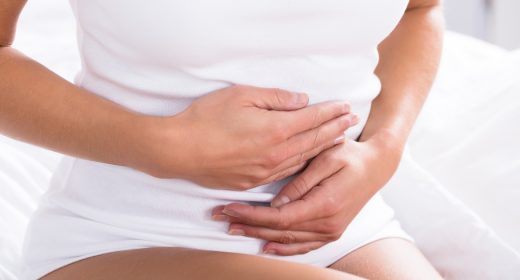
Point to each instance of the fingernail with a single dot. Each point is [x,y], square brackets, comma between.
[236,231]
[282,200]
[270,251]
[220,218]
[346,107]
[301,98]
[339,140]
[355,119]
[230,212]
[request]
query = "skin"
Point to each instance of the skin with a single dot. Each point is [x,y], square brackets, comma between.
[42,110]
[322,200]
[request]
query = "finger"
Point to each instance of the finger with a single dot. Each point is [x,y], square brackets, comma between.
[285,173]
[327,227]
[282,217]
[305,157]
[317,171]
[275,98]
[331,227]
[218,215]
[311,117]
[297,146]
[280,236]
[292,249]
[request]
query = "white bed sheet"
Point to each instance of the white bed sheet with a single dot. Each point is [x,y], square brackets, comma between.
[468,134]
[458,158]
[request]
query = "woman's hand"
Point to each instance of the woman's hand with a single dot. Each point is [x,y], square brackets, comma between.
[242,136]
[317,206]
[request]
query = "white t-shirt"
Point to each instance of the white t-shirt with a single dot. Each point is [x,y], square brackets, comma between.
[157,57]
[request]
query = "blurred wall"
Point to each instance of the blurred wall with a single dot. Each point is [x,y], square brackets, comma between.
[505,23]
[467,16]
[497,21]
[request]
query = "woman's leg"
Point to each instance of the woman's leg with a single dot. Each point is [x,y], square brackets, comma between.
[180,263]
[388,259]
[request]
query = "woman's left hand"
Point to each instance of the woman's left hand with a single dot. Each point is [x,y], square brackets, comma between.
[318,205]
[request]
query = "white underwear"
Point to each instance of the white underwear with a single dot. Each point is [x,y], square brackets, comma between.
[93,208]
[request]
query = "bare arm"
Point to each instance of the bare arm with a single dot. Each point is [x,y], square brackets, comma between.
[42,108]
[408,64]
[39,107]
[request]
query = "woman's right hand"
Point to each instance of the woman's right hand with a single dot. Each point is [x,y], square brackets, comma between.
[241,137]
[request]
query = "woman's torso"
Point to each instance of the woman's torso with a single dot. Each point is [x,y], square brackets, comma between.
[156,57]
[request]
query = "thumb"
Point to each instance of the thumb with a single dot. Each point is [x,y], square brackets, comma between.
[312,176]
[295,190]
[279,99]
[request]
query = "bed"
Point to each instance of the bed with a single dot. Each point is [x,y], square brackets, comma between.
[463,155]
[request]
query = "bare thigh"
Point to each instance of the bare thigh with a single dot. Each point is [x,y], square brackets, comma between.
[388,259]
[180,263]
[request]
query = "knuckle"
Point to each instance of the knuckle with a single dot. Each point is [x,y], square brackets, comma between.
[317,134]
[273,158]
[330,205]
[261,175]
[318,113]
[300,186]
[282,223]
[287,237]
[244,185]
[278,131]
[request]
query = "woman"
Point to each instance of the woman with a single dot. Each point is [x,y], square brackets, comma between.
[184,125]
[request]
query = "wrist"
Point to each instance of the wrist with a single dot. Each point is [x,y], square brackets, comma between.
[156,146]
[387,145]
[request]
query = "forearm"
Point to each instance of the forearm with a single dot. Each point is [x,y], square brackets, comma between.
[409,59]
[41,108]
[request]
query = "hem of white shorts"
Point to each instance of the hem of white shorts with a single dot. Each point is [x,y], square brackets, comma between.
[39,273]
[391,230]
